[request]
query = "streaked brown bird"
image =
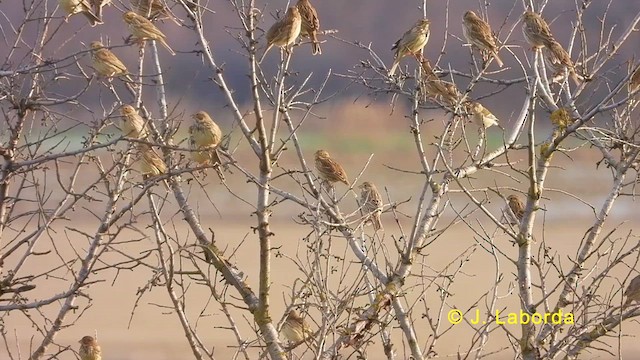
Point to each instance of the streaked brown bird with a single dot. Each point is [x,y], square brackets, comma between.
[150,162]
[106,63]
[285,31]
[295,329]
[559,60]
[536,30]
[98,5]
[89,349]
[633,291]
[310,24]
[478,33]
[516,206]
[371,203]
[437,90]
[204,135]
[143,29]
[73,7]
[411,43]
[328,169]
[132,124]
[153,10]
[481,116]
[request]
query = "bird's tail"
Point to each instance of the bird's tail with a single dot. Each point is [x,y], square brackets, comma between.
[264,53]
[375,220]
[315,44]
[498,60]
[577,79]
[396,62]
[164,43]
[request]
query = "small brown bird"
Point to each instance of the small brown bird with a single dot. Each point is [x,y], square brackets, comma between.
[516,206]
[205,135]
[89,349]
[481,116]
[427,70]
[371,203]
[73,7]
[310,24]
[153,10]
[143,29]
[411,43]
[536,30]
[435,89]
[98,5]
[634,83]
[150,163]
[633,291]
[328,169]
[106,63]
[285,31]
[295,329]
[559,60]
[561,118]
[132,124]
[478,33]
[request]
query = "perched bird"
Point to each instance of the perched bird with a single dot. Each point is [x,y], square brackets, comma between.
[295,329]
[559,60]
[371,203]
[634,83]
[106,63]
[132,124]
[478,33]
[310,24]
[143,29]
[98,5]
[285,31]
[205,135]
[73,7]
[151,164]
[451,93]
[481,116]
[153,10]
[633,291]
[89,349]
[561,118]
[435,89]
[536,30]
[328,169]
[516,206]
[427,70]
[411,43]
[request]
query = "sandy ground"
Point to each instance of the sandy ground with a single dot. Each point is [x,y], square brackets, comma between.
[154,332]
[130,326]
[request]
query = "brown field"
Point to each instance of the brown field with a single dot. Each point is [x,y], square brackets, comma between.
[154,332]
[129,327]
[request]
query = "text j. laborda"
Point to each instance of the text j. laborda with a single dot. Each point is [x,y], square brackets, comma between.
[456,316]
